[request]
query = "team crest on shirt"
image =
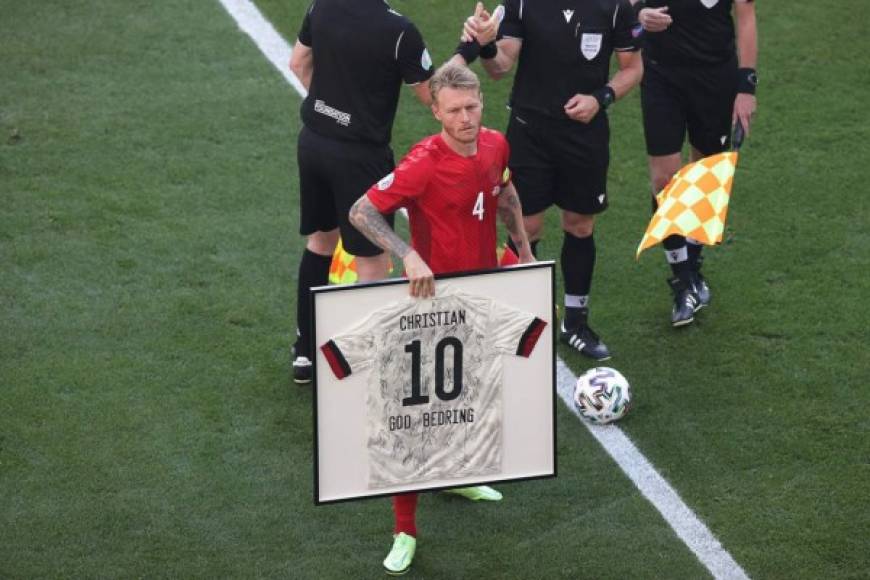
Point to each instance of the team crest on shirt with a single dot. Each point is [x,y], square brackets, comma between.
[590,44]
[386,182]
[709,3]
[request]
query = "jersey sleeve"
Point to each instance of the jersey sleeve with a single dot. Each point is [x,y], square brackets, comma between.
[514,331]
[412,56]
[353,350]
[506,174]
[512,23]
[304,35]
[627,30]
[408,181]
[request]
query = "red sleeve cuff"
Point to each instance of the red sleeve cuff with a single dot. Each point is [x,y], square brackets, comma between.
[385,206]
[530,337]
[336,360]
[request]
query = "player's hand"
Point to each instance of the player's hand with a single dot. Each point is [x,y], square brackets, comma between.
[422,281]
[744,108]
[526,256]
[582,108]
[655,19]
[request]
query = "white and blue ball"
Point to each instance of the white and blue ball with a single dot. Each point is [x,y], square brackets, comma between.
[602,395]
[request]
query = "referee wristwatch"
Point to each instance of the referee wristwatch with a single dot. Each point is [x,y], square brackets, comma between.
[605,96]
[747,80]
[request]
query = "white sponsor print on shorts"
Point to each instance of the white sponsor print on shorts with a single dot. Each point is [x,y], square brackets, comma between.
[426,60]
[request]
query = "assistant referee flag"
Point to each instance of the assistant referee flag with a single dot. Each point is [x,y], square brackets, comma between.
[694,203]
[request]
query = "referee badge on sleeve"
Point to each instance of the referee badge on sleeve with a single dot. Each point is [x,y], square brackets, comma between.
[590,44]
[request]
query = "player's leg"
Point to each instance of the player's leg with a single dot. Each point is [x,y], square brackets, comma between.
[711,100]
[664,122]
[401,555]
[318,223]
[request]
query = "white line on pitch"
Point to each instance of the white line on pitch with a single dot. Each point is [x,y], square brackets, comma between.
[688,527]
[264,35]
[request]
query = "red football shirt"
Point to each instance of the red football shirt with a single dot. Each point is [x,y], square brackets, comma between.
[451,200]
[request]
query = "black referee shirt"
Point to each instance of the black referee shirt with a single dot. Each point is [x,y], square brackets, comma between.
[363,50]
[702,33]
[567,45]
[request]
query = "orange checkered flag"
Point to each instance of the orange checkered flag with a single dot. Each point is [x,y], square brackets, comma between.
[694,203]
[342,270]
[343,267]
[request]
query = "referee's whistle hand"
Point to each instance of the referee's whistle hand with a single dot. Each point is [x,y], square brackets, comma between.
[655,19]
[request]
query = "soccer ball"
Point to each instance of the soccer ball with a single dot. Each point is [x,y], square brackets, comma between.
[602,395]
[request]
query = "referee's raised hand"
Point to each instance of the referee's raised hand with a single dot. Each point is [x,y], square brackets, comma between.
[482,26]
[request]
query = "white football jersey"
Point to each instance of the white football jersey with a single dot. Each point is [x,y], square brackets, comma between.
[434,408]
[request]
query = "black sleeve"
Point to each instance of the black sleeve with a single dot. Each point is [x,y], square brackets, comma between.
[304,35]
[412,56]
[512,23]
[626,29]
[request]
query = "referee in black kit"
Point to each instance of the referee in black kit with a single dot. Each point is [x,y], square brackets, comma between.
[352,56]
[699,81]
[558,130]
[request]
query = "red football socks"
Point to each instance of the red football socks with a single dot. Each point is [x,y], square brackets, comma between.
[405,510]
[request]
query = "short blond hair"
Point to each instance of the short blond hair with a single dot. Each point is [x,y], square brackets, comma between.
[454,76]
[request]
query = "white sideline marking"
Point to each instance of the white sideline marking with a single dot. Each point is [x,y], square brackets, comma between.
[264,35]
[654,487]
[688,527]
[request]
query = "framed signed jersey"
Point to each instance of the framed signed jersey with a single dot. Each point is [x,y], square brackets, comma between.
[425,394]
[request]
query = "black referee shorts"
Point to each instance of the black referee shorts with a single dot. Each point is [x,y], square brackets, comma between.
[332,176]
[694,99]
[559,161]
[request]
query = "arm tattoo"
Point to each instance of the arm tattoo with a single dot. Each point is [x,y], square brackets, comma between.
[508,210]
[369,221]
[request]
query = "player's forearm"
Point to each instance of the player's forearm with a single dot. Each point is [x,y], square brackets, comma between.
[511,215]
[368,220]
[747,35]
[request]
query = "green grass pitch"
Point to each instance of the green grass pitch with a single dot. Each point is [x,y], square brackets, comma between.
[148,219]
